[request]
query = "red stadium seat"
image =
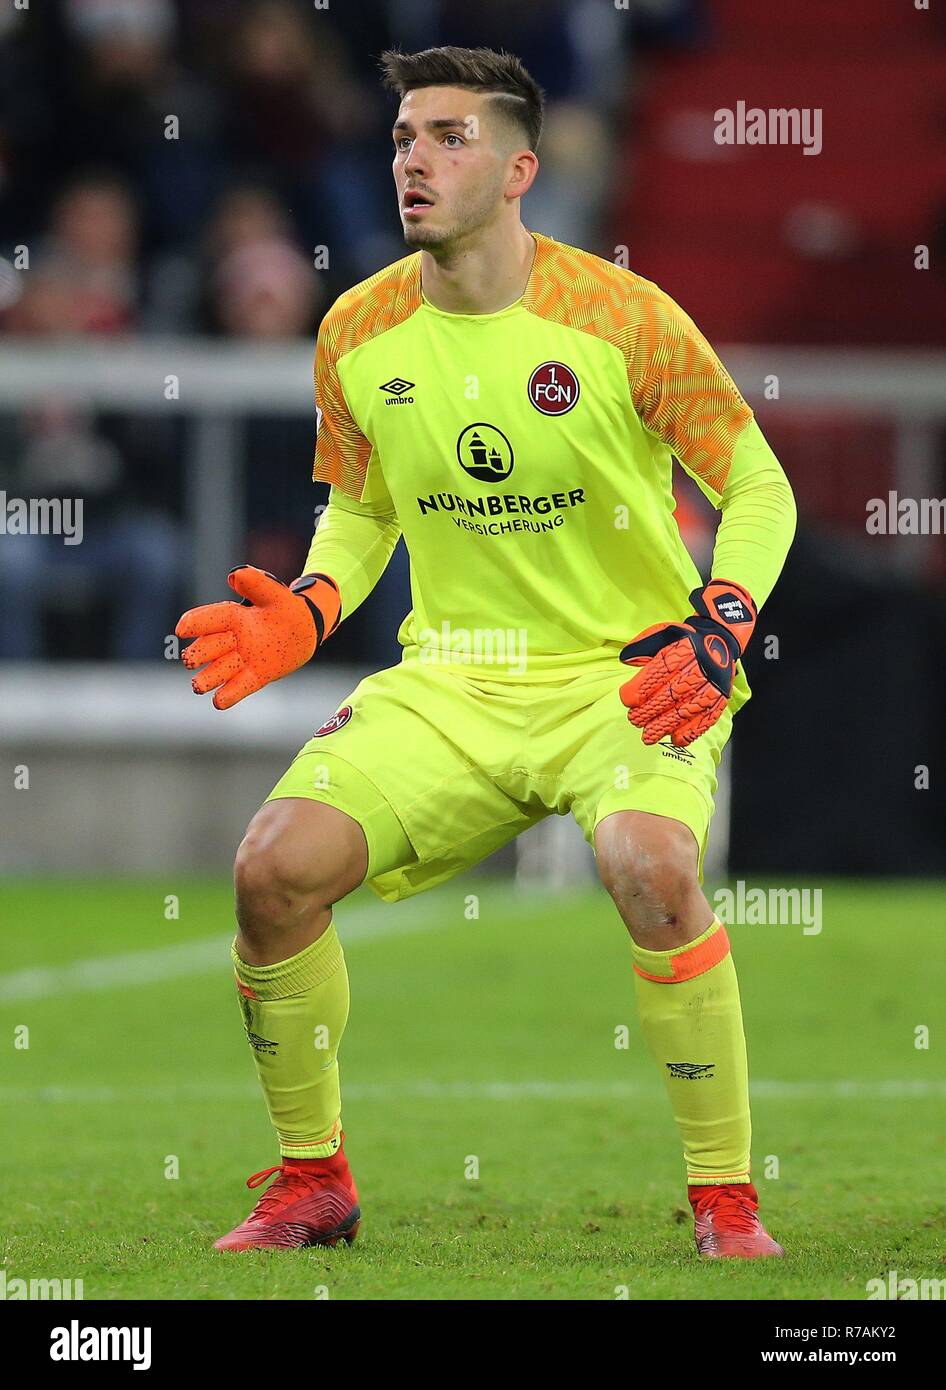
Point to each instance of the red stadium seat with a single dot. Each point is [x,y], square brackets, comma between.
[766,242]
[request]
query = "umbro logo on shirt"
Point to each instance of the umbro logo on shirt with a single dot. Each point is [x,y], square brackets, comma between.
[397,388]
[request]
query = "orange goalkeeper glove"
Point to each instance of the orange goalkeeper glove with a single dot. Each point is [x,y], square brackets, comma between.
[688,667]
[274,631]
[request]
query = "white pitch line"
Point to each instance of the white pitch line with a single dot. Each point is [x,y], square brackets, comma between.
[563,1091]
[368,922]
[206,956]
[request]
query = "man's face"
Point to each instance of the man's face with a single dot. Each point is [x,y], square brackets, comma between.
[449,169]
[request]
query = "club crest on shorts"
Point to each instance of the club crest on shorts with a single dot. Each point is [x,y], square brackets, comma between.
[339,718]
[553,388]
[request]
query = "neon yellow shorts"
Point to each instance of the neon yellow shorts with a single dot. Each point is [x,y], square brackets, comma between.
[440,767]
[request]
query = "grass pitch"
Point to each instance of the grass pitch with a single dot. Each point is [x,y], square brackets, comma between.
[474,1044]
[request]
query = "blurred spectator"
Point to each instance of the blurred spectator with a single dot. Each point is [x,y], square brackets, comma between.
[257,283]
[130,559]
[296,112]
[85,278]
[181,287]
[130,104]
[246,215]
[266,290]
[125,38]
[260,287]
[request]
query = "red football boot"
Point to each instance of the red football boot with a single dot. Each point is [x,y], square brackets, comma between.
[727,1223]
[312,1205]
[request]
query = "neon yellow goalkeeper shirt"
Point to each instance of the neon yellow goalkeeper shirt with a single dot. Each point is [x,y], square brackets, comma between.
[526,457]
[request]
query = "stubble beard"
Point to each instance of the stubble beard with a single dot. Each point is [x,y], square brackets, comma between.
[446,243]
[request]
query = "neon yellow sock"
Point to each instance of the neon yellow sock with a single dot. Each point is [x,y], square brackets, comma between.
[295,1013]
[688,1001]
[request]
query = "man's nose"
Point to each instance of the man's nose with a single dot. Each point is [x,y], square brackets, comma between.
[418,159]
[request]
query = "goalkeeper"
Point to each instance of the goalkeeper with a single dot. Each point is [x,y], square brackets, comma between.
[512,406]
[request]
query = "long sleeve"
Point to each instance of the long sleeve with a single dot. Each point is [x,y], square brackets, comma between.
[758,521]
[353,543]
[686,397]
[356,534]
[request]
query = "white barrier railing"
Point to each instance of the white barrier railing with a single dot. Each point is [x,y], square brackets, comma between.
[214,385]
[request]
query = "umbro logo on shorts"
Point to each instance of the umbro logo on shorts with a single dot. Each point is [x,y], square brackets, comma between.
[682,755]
[339,718]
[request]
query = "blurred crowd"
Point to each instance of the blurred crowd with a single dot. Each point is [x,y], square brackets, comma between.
[213,168]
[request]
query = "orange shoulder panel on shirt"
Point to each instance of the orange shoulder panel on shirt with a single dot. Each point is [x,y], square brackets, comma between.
[362,313]
[680,389]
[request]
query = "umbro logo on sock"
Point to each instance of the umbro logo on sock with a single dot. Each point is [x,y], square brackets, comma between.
[259,1044]
[691,1071]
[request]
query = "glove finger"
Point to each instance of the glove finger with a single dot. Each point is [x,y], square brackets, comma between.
[210,617]
[691,729]
[256,585]
[689,712]
[661,707]
[656,701]
[657,728]
[657,706]
[686,695]
[685,691]
[223,669]
[245,682]
[650,691]
[208,649]
[640,688]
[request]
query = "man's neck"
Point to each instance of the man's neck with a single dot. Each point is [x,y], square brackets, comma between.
[482,278]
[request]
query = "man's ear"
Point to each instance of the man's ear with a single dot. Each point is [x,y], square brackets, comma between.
[523,169]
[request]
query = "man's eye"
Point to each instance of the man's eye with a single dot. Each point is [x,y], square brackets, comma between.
[453,137]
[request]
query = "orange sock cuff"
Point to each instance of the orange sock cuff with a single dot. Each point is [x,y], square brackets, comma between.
[313,1149]
[683,962]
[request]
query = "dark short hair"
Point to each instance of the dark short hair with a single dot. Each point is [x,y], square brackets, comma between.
[519,98]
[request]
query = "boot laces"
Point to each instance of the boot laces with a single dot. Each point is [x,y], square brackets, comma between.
[736,1208]
[291,1182]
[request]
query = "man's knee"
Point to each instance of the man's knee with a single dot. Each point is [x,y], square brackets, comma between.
[297,857]
[649,865]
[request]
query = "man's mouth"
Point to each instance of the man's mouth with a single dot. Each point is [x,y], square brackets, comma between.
[416,203]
